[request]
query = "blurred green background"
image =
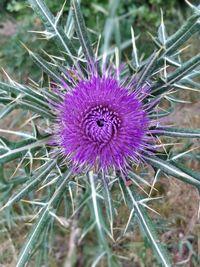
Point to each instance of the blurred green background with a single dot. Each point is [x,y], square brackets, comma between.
[178,222]
[16,19]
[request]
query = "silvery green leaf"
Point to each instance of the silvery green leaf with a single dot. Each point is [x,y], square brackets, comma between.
[135,60]
[171,61]
[7,109]
[97,211]
[98,218]
[27,92]
[162,35]
[171,169]
[38,109]
[44,218]
[53,30]
[32,183]
[69,28]
[178,132]
[82,32]
[174,47]
[33,237]
[174,77]
[148,68]
[191,83]
[27,98]
[184,33]
[109,27]
[184,69]
[147,226]
[176,100]
[109,203]
[189,171]
[47,67]
[13,150]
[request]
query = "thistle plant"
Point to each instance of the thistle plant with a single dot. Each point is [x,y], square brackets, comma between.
[96,139]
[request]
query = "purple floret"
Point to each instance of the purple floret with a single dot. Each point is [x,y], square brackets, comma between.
[102,124]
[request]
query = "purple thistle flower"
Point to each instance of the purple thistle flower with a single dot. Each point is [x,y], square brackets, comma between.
[103,123]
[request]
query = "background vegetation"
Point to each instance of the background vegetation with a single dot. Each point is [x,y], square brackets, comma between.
[178,208]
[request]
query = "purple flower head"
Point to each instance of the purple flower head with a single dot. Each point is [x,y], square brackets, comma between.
[102,123]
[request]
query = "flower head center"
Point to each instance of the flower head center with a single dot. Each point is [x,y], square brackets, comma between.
[101,123]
